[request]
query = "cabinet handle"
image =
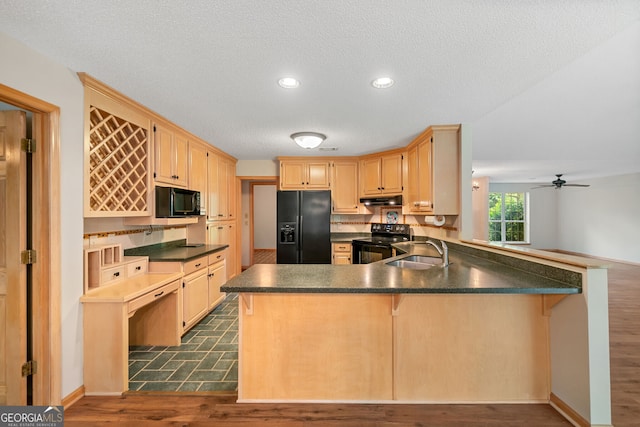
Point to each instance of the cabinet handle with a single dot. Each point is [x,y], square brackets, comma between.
[220,214]
[198,265]
[218,256]
[160,294]
[116,274]
[138,268]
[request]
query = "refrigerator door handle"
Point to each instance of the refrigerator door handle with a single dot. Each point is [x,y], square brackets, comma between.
[301,218]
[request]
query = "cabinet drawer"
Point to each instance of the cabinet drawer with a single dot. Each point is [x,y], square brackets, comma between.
[342,247]
[135,268]
[115,273]
[195,264]
[217,257]
[148,298]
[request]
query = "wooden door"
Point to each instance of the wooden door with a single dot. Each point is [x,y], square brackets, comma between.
[223,189]
[13,274]
[195,297]
[370,177]
[318,175]
[163,144]
[344,188]
[180,160]
[212,186]
[391,167]
[292,175]
[425,175]
[198,171]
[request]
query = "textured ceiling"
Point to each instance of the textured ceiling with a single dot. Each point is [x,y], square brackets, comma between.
[527,76]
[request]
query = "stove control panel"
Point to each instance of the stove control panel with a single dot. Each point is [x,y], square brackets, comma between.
[390,228]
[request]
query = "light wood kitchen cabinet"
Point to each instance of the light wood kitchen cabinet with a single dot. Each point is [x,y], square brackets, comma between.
[171,156]
[217,277]
[344,191]
[198,171]
[221,180]
[433,172]
[224,233]
[381,175]
[195,296]
[341,253]
[117,144]
[304,175]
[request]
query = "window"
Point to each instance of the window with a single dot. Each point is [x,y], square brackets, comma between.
[509,217]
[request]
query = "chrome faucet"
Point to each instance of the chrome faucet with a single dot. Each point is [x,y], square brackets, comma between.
[444,252]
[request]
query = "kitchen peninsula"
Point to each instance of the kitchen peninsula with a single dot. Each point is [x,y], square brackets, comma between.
[496,325]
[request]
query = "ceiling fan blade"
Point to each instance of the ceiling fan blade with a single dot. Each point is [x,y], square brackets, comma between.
[576,185]
[543,186]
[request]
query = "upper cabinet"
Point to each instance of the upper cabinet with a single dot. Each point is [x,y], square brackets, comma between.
[381,174]
[117,151]
[198,170]
[221,172]
[171,156]
[298,174]
[433,172]
[344,191]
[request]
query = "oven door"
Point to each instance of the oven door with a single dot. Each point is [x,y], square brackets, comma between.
[365,253]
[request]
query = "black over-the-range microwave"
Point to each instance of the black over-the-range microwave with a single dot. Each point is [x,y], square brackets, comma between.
[174,202]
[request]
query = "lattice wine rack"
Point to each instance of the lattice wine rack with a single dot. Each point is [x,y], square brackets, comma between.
[118,164]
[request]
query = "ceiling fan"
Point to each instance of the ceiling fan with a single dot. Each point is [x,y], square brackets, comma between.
[558,183]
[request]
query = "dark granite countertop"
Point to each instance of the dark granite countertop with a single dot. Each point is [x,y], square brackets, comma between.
[466,274]
[173,251]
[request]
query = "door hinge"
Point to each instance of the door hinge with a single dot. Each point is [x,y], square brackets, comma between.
[29,368]
[28,145]
[28,256]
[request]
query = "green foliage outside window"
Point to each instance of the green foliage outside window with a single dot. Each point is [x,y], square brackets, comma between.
[507,217]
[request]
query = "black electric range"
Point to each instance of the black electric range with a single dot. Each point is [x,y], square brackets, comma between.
[378,246]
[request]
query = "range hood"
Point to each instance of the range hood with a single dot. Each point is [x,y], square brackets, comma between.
[382,201]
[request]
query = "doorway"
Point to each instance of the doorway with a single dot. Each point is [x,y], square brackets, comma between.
[258,207]
[29,256]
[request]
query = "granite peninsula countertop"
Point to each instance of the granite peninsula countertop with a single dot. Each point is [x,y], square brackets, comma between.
[174,251]
[467,273]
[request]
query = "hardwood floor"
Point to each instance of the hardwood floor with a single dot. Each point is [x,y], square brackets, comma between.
[215,409]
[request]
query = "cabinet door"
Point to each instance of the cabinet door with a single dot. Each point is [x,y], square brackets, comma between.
[370,177]
[212,186]
[195,297]
[231,189]
[317,176]
[232,241]
[163,144]
[391,172]
[217,277]
[180,160]
[344,188]
[341,253]
[198,171]
[292,175]
[425,179]
[223,189]
[411,186]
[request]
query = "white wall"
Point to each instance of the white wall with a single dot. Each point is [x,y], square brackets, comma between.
[264,216]
[543,212]
[28,71]
[602,220]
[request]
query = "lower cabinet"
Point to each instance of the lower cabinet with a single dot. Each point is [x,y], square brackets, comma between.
[199,291]
[195,297]
[341,253]
[217,277]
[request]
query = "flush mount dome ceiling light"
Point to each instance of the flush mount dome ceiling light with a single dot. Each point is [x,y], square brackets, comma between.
[382,82]
[308,139]
[288,83]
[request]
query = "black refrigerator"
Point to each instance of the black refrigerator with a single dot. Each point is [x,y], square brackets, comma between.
[304,227]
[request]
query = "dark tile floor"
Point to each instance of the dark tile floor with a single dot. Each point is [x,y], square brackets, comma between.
[207,359]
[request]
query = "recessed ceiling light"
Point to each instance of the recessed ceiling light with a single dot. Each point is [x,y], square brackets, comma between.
[382,82]
[288,83]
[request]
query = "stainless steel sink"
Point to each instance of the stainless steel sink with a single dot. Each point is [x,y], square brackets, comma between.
[415,262]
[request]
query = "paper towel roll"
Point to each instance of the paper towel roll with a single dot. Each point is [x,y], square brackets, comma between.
[437,220]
